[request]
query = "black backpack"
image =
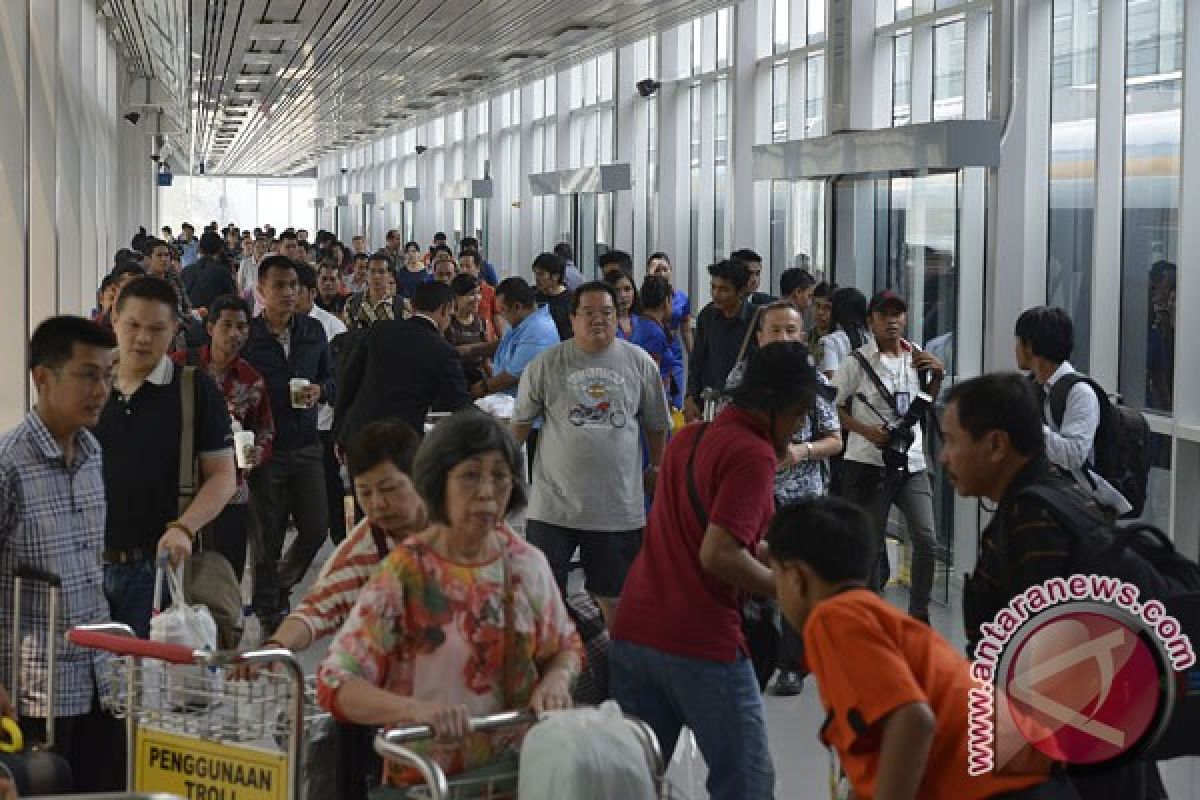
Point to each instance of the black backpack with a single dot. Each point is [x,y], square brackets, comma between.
[1142,555]
[1122,442]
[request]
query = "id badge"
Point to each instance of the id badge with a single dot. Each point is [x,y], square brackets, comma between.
[903,401]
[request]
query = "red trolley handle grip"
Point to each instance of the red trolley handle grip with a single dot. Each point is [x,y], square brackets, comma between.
[123,645]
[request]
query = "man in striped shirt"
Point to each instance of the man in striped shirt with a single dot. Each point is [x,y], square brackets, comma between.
[52,514]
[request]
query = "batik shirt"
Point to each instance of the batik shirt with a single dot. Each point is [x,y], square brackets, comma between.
[432,629]
[245,394]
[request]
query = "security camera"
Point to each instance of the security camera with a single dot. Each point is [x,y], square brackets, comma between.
[344,170]
[132,117]
[421,149]
[648,86]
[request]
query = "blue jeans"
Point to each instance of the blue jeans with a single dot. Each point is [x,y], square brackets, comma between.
[719,701]
[130,592]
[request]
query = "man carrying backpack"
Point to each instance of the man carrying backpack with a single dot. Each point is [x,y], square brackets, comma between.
[1082,428]
[993,447]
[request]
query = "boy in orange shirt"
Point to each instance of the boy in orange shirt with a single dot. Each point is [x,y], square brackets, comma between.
[894,691]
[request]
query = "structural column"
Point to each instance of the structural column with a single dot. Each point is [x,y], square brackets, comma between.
[14,54]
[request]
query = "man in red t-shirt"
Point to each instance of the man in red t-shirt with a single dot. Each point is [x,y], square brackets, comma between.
[678,657]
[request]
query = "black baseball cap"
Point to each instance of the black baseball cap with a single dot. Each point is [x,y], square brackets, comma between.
[779,375]
[887,299]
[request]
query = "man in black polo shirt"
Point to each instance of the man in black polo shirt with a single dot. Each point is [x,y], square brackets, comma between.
[284,347]
[139,431]
[721,328]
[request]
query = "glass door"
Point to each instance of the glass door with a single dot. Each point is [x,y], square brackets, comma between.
[902,232]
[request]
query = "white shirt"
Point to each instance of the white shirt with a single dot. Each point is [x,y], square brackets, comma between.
[247,274]
[898,375]
[333,326]
[1071,444]
[834,349]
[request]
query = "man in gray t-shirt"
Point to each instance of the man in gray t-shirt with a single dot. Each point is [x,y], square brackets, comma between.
[599,396]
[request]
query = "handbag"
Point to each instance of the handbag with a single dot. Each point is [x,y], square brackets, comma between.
[208,578]
[190,625]
[760,617]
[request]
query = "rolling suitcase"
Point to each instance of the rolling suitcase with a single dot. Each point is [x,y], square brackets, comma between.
[36,769]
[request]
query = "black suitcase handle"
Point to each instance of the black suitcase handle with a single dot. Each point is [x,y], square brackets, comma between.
[30,573]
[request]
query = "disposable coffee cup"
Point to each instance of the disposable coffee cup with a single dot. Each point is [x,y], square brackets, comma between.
[297,387]
[243,442]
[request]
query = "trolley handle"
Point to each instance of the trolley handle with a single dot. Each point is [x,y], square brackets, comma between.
[119,643]
[416,733]
[120,640]
[27,572]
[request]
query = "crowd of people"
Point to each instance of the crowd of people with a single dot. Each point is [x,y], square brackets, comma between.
[708,468]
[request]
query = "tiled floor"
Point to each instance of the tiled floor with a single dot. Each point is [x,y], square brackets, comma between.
[801,763]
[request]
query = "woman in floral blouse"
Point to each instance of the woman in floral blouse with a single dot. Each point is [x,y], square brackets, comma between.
[462,619]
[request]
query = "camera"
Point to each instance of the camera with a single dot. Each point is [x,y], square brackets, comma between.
[902,434]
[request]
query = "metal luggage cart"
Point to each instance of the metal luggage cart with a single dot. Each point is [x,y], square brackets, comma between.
[495,782]
[196,732]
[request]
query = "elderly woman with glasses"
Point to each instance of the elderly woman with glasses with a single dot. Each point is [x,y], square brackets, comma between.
[462,619]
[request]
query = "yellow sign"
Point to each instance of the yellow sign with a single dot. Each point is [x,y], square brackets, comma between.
[200,770]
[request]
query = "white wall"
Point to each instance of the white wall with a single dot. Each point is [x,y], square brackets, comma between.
[72,184]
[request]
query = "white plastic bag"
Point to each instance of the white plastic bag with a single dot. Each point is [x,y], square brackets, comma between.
[585,754]
[190,626]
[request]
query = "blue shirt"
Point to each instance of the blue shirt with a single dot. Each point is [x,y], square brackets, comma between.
[488,273]
[522,343]
[52,517]
[191,252]
[408,281]
[650,336]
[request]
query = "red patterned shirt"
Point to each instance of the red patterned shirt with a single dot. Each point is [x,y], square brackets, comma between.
[245,394]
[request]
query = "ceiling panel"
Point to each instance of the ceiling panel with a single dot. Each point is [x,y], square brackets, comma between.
[263,85]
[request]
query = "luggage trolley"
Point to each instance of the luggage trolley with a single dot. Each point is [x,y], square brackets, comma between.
[192,729]
[496,781]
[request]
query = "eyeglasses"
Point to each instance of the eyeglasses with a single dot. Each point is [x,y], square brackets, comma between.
[473,478]
[92,377]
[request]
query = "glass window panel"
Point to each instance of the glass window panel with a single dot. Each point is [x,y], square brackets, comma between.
[273,201]
[606,77]
[552,94]
[816,21]
[720,187]
[722,38]
[1150,228]
[814,103]
[590,90]
[607,140]
[575,86]
[697,46]
[539,99]
[902,78]
[779,102]
[694,96]
[303,191]
[721,121]
[1073,167]
[904,9]
[241,204]
[782,23]
[949,69]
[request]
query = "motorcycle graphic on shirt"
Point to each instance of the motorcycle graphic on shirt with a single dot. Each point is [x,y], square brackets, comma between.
[599,399]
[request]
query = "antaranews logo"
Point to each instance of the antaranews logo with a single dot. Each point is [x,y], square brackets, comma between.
[1079,668]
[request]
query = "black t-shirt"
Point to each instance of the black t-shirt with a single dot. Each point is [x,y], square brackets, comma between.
[560,311]
[140,436]
[335,306]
